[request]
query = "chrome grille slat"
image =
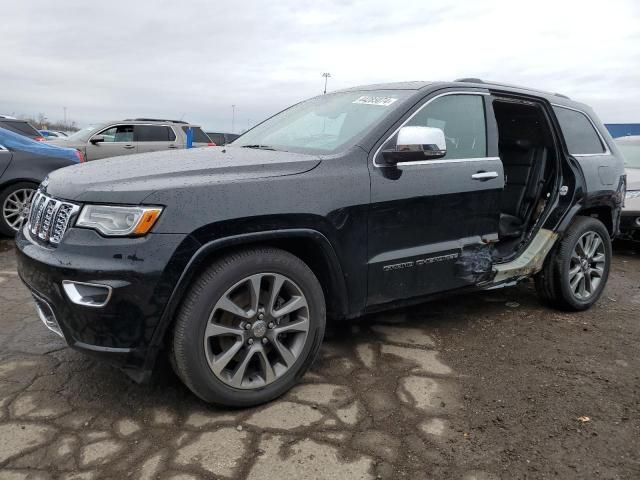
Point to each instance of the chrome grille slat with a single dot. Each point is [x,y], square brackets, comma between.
[49,218]
[39,212]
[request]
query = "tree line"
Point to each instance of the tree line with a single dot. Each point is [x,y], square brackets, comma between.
[43,123]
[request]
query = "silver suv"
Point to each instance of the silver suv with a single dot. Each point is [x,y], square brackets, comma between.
[133,135]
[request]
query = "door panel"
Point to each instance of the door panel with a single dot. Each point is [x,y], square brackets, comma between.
[424,214]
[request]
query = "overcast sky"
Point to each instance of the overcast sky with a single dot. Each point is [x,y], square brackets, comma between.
[195,58]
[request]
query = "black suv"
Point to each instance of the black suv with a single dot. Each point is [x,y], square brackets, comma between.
[230,259]
[22,127]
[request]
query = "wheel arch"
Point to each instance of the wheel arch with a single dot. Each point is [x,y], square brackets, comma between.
[311,246]
[607,212]
[13,181]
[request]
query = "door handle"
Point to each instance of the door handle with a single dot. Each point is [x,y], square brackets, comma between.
[129,147]
[172,146]
[484,176]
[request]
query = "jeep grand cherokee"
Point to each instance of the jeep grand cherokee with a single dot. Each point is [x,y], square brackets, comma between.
[230,259]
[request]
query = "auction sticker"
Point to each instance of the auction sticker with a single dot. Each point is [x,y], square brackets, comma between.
[371,100]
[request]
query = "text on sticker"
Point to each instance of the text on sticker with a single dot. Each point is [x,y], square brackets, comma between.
[371,100]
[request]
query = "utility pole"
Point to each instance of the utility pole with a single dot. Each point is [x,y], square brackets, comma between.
[65,116]
[326,76]
[233,119]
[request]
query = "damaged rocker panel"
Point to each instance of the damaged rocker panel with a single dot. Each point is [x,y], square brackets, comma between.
[530,261]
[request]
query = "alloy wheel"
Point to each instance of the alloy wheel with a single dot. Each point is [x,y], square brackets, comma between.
[587,265]
[256,330]
[15,208]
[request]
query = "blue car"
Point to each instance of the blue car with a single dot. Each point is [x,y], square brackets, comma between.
[24,163]
[53,134]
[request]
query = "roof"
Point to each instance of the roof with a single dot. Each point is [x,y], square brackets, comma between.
[556,98]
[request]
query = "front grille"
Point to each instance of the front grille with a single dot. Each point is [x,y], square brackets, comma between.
[49,218]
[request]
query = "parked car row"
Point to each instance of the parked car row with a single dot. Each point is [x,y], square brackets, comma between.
[53,134]
[24,164]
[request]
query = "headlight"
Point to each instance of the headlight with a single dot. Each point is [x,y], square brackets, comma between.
[118,221]
[632,194]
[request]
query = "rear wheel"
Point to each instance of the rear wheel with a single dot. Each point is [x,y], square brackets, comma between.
[15,201]
[577,269]
[249,328]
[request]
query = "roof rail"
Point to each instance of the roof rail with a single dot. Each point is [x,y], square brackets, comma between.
[479,80]
[153,120]
[469,80]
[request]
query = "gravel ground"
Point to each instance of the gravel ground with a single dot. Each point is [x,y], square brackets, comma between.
[478,387]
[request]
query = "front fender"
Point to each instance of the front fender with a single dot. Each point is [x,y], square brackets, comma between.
[208,249]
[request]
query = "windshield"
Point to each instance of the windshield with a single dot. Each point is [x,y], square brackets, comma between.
[630,148]
[82,135]
[324,124]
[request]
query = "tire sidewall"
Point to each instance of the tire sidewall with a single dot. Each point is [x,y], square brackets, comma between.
[201,379]
[587,225]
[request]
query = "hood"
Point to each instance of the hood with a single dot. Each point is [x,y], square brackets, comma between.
[130,179]
[633,178]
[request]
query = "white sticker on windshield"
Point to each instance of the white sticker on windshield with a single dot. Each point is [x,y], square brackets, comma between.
[371,100]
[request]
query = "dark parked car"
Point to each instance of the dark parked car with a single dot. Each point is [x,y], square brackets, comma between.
[221,139]
[24,163]
[230,259]
[630,222]
[22,127]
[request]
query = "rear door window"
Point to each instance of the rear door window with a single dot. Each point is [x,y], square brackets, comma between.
[154,133]
[198,135]
[579,133]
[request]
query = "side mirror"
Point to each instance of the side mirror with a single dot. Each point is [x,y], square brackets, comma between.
[97,139]
[416,144]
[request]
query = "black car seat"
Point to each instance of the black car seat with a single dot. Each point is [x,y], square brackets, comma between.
[517,159]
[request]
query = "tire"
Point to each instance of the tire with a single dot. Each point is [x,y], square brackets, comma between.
[562,282]
[211,345]
[17,196]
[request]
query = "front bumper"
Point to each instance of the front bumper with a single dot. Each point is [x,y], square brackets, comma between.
[141,272]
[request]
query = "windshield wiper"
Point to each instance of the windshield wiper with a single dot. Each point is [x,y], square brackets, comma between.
[258,146]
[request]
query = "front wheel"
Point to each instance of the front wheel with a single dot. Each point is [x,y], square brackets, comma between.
[249,328]
[15,201]
[576,270]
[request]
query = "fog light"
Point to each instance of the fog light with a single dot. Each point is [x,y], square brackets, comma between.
[87,294]
[637,221]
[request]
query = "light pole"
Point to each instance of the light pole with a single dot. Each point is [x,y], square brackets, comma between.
[65,116]
[326,76]
[233,118]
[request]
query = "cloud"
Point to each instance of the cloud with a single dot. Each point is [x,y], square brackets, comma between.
[197,58]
